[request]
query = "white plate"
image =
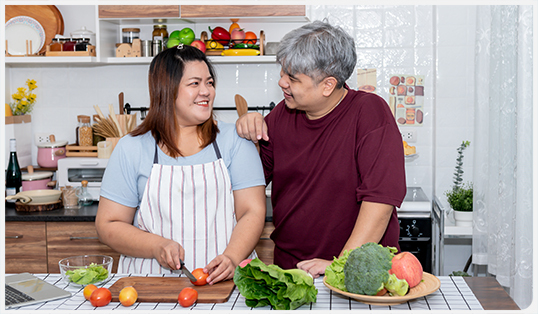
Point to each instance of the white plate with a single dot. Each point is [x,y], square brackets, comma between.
[20,29]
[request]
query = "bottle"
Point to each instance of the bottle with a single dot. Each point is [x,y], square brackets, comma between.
[85,132]
[56,45]
[160,33]
[84,197]
[13,172]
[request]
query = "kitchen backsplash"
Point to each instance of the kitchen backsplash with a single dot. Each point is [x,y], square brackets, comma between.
[436,42]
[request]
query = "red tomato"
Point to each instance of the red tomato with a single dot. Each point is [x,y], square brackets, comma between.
[88,291]
[250,38]
[187,297]
[201,277]
[100,297]
[128,296]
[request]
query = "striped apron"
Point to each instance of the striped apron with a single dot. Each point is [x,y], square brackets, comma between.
[192,205]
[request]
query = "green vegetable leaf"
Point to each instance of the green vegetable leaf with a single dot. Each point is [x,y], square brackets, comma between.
[86,276]
[335,272]
[263,284]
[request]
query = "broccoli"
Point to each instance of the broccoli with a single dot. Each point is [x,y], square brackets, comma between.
[367,271]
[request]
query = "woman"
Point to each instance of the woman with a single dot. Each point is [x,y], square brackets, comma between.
[182,187]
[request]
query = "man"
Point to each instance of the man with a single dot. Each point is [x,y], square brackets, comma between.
[334,155]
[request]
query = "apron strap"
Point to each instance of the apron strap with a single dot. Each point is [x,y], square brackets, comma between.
[215,147]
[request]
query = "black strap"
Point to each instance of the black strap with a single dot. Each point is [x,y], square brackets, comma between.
[215,147]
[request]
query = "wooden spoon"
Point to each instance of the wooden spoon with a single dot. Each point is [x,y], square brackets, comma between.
[240,105]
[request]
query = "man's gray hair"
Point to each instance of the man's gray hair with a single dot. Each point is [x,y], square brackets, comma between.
[318,50]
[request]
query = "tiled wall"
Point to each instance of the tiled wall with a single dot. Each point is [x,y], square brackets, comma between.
[433,41]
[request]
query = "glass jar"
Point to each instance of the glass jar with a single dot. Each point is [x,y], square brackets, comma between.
[84,197]
[160,33]
[56,45]
[128,34]
[69,44]
[85,133]
[82,44]
[84,33]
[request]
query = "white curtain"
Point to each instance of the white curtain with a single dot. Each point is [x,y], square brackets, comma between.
[502,232]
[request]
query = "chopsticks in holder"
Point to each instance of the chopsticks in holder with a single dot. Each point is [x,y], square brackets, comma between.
[113,116]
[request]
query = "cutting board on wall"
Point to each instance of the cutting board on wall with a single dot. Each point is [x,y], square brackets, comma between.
[48,16]
[167,289]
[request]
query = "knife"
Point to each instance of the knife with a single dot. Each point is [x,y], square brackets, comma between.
[186,272]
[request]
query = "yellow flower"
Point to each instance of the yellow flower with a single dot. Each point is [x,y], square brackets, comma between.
[24,102]
[17,96]
[31,84]
[21,90]
[31,97]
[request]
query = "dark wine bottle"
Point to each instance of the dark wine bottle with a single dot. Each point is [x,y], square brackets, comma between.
[13,172]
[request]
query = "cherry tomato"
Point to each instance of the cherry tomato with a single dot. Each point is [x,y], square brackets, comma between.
[88,291]
[201,277]
[250,38]
[128,296]
[100,297]
[187,297]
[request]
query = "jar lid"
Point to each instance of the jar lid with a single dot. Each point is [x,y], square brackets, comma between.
[136,30]
[159,26]
[82,33]
[52,144]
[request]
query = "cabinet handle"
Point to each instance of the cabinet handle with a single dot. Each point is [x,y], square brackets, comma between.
[83,238]
[15,237]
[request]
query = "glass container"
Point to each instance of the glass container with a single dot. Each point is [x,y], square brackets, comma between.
[128,34]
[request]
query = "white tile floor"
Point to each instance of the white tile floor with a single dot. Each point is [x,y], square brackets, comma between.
[454,294]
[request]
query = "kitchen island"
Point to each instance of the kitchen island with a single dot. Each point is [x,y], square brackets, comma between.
[456,293]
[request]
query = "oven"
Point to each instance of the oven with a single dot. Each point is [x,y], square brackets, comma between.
[416,226]
[73,170]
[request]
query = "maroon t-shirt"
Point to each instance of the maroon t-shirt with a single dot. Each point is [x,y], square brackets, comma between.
[323,169]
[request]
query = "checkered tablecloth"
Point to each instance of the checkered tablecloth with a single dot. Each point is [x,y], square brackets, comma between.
[454,294]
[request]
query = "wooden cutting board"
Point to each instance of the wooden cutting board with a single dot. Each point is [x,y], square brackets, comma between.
[167,289]
[48,16]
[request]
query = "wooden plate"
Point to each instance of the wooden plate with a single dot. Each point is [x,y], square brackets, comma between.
[48,16]
[429,284]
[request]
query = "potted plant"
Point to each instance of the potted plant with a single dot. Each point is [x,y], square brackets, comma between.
[460,197]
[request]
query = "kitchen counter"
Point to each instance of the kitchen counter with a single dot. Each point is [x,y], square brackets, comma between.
[456,293]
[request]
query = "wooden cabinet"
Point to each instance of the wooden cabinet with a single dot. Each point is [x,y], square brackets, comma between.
[74,238]
[26,247]
[265,247]
[138,11]
[201,11]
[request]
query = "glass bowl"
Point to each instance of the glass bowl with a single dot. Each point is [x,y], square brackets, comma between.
[86,269]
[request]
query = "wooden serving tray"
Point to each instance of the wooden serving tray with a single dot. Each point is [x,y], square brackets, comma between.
[20,207]
[167,289]
[80,151]
[90,52]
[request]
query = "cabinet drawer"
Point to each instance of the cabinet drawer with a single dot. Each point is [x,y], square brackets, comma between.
[26,247]
[138,11]
[74,238]
[200,11]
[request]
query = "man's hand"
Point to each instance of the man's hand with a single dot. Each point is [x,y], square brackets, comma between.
[314,267]
[252,126]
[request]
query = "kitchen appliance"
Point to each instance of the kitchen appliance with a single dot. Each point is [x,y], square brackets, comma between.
[415,220]
[73,170]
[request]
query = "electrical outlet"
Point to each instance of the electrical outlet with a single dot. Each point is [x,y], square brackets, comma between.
[409,136]
[41,138]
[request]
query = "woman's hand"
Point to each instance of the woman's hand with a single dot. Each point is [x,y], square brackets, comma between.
[314,267]
[252,126]
[219,269]
[168,253]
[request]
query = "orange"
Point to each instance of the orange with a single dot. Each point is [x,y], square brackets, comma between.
[250,38]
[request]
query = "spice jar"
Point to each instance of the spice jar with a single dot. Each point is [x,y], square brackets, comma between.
[56,45]
[82,44]
[160,33]
[69,44]
[85,133]
[128,34]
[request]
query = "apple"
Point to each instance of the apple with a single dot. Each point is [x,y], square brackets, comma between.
[237,35]
[172,42]
[174,34]
[406,266]
[199,44]
[186,36]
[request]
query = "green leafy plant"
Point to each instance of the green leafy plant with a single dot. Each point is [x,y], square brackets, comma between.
[461,196]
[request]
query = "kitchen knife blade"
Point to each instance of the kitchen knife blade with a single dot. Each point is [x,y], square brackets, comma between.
[187,272]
